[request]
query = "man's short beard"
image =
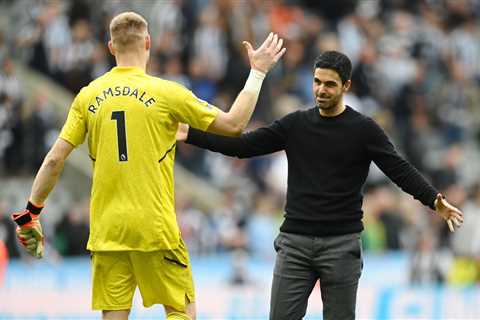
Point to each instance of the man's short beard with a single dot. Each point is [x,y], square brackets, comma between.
[330,105]
[326,106]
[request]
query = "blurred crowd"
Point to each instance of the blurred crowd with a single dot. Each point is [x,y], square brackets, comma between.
[416,71]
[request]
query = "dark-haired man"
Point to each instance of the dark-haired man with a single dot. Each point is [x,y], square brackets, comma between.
[329,150]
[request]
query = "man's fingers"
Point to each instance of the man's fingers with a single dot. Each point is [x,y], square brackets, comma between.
[24,231]
[458,216]
[449,206]
[31,241]
[37,234]
[450,225]
[248,46]
[279,55]
[267,41]
[30,233]
[31,244]
[457,222]
[279,45]
[23,238]
[274,42]
[39,251]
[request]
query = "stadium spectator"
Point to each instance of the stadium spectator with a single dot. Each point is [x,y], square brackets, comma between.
[78,57]
[232,216]
[38,124]
[426,262]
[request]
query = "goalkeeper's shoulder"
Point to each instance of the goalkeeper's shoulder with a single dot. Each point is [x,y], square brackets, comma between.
[172,91]
[172,85]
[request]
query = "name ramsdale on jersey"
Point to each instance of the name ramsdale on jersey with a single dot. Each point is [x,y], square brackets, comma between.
[125,91]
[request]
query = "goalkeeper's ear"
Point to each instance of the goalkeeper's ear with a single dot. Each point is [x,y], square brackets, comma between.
[148,42]
[111,48]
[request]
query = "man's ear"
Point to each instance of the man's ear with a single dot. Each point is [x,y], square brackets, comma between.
[148,42]
[111,48]
[347,85]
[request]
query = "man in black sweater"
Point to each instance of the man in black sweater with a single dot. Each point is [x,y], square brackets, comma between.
[329,150]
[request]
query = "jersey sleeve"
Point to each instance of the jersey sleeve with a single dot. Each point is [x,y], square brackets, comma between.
[192,110]
[75,128]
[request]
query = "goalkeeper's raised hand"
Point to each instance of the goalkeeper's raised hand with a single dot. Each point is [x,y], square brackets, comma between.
[29,229]
[265,57]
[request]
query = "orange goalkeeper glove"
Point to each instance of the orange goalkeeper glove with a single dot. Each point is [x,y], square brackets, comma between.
[29,229]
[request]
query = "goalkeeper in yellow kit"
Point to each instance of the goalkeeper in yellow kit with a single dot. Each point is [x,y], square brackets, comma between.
[130,120]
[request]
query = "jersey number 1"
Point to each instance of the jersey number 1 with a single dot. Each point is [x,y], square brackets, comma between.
[119,116]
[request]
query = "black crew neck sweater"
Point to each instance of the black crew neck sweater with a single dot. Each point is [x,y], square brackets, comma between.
[328,163]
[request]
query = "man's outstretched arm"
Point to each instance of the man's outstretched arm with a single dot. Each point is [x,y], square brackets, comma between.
[407,177]
[258,142]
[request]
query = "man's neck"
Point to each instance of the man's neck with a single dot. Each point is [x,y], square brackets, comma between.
[333,112]
[131,60]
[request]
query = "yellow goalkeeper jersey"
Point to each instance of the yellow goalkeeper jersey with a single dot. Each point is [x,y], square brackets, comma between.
[131,120]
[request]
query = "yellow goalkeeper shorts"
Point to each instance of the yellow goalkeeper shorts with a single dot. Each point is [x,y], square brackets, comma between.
[163,277]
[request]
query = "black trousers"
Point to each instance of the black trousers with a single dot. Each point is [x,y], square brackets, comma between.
[302,260]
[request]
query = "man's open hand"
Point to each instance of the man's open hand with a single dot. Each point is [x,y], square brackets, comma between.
[265,57]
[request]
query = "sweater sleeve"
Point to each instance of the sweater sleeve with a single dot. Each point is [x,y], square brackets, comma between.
[381,150]
[258,142]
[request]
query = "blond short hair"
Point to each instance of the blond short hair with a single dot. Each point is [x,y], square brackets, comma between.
[127,30]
